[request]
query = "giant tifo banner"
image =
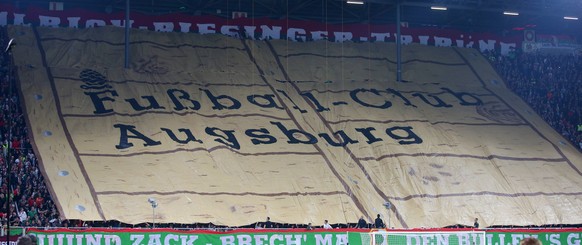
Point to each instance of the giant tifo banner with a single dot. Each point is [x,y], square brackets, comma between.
[259,28]
[302,237]
[229,131]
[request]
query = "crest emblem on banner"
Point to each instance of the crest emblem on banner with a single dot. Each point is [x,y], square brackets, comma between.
[529,35]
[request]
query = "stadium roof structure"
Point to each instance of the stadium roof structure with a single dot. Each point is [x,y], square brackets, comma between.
[467,15]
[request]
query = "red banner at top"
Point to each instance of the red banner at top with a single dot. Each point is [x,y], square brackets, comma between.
[260,28]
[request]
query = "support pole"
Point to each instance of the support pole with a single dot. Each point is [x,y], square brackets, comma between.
[8,155]
[388,227]
[398,44]
[127,24]
[388,207]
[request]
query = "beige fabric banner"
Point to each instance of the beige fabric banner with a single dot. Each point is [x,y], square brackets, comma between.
[227,131]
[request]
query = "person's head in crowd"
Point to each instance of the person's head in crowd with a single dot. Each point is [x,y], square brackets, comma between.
[33,239]
[530,241]
[24,240]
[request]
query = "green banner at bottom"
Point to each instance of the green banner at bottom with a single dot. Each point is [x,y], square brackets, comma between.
[95,236]
[171,237]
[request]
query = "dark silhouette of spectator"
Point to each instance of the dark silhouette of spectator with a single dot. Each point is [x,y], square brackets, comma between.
[362,223]
[378,223]
[268,224]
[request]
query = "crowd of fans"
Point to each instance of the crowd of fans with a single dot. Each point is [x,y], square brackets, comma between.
[30,201]
[550,84]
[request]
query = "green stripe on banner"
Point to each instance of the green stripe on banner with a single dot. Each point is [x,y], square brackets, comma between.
[162,236]
[16,231]
[297,237]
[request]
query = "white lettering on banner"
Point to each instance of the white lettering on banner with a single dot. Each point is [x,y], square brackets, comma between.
[294,239]
[184,27]
[341,239]
[229,30]
[489,239]
[189,239]
[3,18]
[155,239]
[341,37]
[271,33]
[19,20]
[70,238]
[60,238]
[121,23]
[170,237]
[442,239]
[554,239]
[93,239]
[49,21]
[460,42]
[79,238]
[274,238]
[489,45]
[381,37]
[323,240]
[40,238]
[267,31]
[506,47]
[136,239]
[206,28]
[164,26]
[573,239]
[426,238]
[111,240]
[442,41]
[261,239]
[515,238]
[423,40]
[464,239]
[250,31]
[318,35]
[475,238]
[412,239]
[406,39]
[227,240]
[73,22]
[51,239]
[293,33]
[244,240]
[94,23]
[501,239]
